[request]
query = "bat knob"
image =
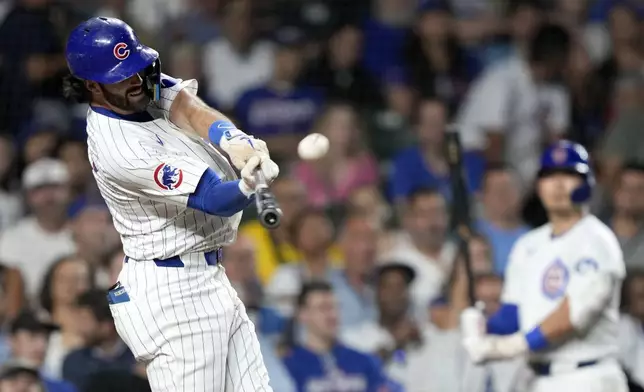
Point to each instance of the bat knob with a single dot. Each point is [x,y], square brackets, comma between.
[270,218]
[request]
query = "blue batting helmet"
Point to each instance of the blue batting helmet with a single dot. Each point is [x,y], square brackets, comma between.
[568,157]
[107,51]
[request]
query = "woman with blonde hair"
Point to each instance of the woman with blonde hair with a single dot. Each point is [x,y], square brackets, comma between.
[348,165]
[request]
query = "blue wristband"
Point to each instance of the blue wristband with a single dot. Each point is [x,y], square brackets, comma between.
[218,129]
[536,339]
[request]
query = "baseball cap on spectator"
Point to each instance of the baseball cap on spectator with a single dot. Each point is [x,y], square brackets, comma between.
[289,37]
[13,368]
[396,266]
[29,321]
[43,172]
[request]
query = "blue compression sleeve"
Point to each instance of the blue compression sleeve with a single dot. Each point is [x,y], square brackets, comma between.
[216,197]
[505,321]
[536,339]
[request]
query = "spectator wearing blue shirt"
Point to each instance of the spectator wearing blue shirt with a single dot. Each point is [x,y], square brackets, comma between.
[424,165]
[501,223]
[29,339]
[352,285]
[282,111]
[320,363]
[104,350]
[384,35]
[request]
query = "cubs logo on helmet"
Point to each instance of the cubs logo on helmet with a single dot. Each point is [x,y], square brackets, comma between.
[168,177]
[121,51]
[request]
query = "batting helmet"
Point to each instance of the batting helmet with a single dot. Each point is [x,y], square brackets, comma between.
[568,157]
[107,51]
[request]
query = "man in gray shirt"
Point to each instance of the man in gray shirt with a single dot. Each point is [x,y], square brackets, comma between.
[627,219]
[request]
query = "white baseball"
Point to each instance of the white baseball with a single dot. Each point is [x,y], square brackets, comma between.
[313,146]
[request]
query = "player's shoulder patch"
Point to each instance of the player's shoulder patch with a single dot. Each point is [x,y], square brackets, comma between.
[168,177]
[555,280]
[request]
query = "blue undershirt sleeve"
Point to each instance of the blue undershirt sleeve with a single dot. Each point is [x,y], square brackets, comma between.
[216,197]
[505,321]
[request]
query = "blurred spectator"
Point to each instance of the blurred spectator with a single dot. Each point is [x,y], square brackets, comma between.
[282,111]
[501,221]
[10,201]
[103,349]
[64,282]
[424,246]
[369,201]
[627,220]
[353,285]
[624,142]
[111,268]
[631,336]
[29,340]
[37,240]
[12,295]
[384,35]
[199,24]
[347,165]
[480,255]
[275,247]
[395,331]
[93,232]
[239,261]
[523,18]
[20,377]
[110,381]
[40,144]
[74,154]
[438,65]
[425,165]
[340,73]
[32,58]
[312,234]
[320,362]
[236,62]
[513,107]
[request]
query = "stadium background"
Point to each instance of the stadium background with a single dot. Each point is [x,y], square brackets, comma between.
[382,79]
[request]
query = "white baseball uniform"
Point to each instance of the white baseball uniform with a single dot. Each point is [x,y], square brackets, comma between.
[174,306]
[542,270]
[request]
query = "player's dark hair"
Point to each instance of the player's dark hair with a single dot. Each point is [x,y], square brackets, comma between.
[290,332]
[46,297]
[74,89]
[420,192]
[96,302]
[550,44]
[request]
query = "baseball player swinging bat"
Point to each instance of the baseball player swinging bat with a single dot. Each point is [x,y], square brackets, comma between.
[175,201]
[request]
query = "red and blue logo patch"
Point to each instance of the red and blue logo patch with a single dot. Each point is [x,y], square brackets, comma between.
[168,177]
[121,52]
[555,280]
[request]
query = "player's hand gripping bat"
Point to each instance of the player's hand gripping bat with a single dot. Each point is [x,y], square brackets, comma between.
[460,214]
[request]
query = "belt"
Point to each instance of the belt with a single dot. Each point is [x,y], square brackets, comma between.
[547,368]
[212,258]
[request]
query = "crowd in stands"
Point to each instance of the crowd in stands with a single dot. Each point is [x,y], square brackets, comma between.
[365,267]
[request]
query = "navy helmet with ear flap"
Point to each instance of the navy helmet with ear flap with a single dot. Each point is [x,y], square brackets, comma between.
[107,51]
[568,157]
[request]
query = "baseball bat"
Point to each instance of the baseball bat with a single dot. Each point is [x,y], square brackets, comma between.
[460,214]
[269,212]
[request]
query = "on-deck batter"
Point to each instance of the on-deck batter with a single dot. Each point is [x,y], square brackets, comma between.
[562,288]
[175,202]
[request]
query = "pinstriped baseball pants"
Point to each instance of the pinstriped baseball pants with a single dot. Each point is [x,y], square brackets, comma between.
[190,328]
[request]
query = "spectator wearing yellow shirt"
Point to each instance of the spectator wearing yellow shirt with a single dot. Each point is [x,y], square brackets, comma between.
[274,247]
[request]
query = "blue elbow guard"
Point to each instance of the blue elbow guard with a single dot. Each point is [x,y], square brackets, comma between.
[505,321]
[218,129]
[215,197]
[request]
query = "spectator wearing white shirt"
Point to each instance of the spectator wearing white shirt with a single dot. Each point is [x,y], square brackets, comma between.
[36,241]
[236,62]
[423,245]
[514,107]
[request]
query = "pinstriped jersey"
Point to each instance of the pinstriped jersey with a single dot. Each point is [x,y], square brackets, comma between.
[146,169]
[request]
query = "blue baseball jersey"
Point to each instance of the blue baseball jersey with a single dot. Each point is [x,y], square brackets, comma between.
[266,112]
[341,370]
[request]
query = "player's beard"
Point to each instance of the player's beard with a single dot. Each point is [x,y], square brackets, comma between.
[125,102]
